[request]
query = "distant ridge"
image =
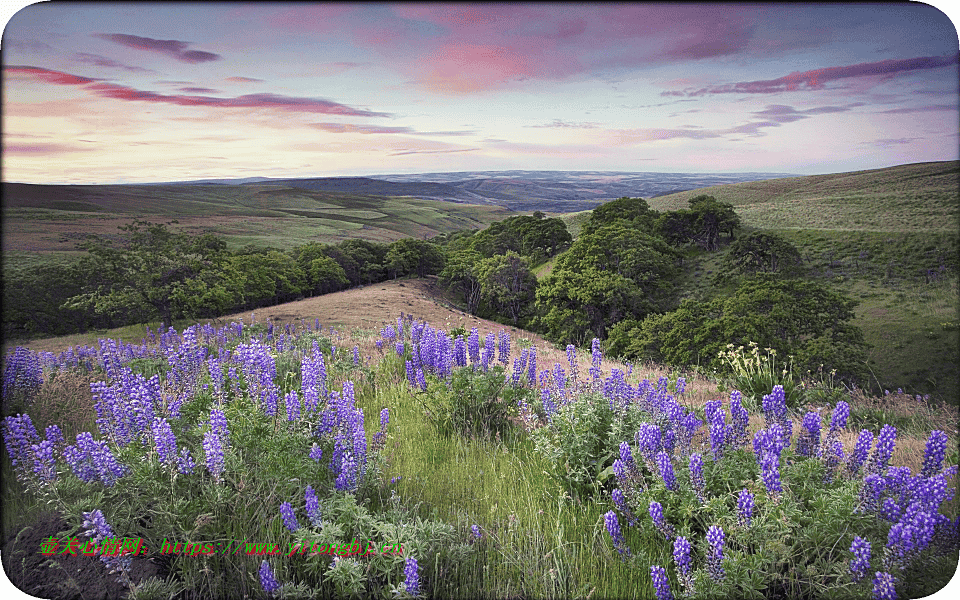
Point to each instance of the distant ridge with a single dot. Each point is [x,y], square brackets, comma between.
[517,190]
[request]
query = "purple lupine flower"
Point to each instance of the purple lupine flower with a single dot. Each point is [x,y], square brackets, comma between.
[218,425]
[213,453]
[861,558]
[411,574]
[185,462]
[19,436]
[421,380]
[838,420]
[460,351]
[532,366]
[289,518]
[475,530]
[715,538]
[164,441]
[656,513]
[681,554]
[96,527]
[934,454]
[696,477]
[770,473]
[648,440]
[613,528]
[809,440]
[877,463]
[399,348]
[411,373]
[718,428]
[745,508]
[873,486]
[860,452]
[572,361]
[665,465]
[44,461]
[54,435]
[833,456]
[292,402]
[621,503]
[740,419]
[503,347]
[347,479]
[313,506]
[267,580]
[681,385]
[356,355]
[660,582]
[316,452]
[473,345]
[884,587]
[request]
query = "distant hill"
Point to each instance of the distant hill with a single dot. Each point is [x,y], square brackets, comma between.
[520,191]
[914,197]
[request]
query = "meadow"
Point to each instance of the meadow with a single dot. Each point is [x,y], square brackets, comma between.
[504,468]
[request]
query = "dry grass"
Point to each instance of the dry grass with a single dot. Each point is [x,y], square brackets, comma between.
[65,400]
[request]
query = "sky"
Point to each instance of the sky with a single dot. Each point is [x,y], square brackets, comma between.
[144,92]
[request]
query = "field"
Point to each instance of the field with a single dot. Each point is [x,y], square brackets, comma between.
[44,222]
[518,510]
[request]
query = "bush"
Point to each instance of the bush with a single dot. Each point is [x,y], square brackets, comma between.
[474,403]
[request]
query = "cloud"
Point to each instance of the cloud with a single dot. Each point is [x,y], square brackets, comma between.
[173,48]
[48,76]
[41,148]
[199,90]
[271,101]
[405,152]
[817,78]
[378,129]
[103,61]
[561,124]
[787,114]
[238,79]
[919,109]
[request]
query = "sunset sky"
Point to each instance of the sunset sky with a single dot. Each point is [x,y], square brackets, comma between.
[141,92]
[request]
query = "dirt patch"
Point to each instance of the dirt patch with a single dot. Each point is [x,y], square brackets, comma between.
[62,576]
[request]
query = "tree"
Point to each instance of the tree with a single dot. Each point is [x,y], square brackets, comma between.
[635,211]
[507,284]
[408,256]
[460,273]
[712,218]
[795,317]
[612,273]
[151,273]
[761,252]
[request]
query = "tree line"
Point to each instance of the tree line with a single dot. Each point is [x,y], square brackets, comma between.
[618,281]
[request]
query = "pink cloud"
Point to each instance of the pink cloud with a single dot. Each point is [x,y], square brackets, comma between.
[173,48]
[48,76]
[41,148]
[471,48]
[199,90]
[103,61]
[815,79]
[272,101]
[238,79]
[378,129]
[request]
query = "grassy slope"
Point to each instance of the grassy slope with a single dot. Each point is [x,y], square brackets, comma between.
[873,235]
[50,218]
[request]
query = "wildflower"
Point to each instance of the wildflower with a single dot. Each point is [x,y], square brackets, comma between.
[883,586]
[292,402]
[809,439]
[218,424]
[860,452]
[770,473]
[660,583]
[666,470]
[289,518]
[681,554]
[504,347]
[621,503]
[718,428]
[744,508]
[313,506]
[185,462]
[934,454]
[681,385]
[213,452]
[656,513]
[475,529]
[878,460]
[740,418]
[696,477]
[473,345]
[613,528]
[715,538]
[861,558]
[267,580]
[411,576]
[164,441]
